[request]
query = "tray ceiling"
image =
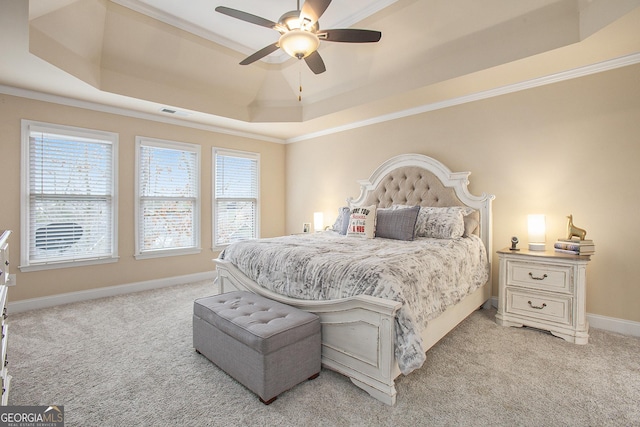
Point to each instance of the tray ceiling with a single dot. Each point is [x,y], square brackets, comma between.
[149,55]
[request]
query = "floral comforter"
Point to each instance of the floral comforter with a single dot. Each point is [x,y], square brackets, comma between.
[426,275]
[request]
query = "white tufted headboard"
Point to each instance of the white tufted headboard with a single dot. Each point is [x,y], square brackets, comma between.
[415,179]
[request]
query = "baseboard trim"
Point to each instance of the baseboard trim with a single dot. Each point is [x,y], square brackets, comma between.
[109,291]
[611,324]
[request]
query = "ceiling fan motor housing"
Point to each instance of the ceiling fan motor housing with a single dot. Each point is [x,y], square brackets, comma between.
[292,21]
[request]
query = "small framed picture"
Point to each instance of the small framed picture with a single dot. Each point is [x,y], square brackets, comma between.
[306,227]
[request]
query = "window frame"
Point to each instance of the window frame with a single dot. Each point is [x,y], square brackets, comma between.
[178,146]
[28,126]
[216,151]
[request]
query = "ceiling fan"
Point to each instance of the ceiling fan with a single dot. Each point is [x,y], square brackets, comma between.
[300,33]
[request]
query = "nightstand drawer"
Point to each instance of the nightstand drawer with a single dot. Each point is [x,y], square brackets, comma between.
[555,278]
[541,306]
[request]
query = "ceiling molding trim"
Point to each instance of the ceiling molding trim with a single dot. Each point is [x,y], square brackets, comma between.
[275,58]
[528,84]
[94,106]
[374,7]
[181,24]
[587,70]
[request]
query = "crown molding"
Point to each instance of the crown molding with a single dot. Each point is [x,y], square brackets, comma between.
[274,58]
[103,108]
[587,70]
[182,24]
[503,90]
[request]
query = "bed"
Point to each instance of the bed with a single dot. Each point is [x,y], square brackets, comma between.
[365,336]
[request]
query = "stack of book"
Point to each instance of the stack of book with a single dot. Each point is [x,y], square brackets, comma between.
[574,246]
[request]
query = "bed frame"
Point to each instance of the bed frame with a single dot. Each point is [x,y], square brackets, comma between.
[358,332]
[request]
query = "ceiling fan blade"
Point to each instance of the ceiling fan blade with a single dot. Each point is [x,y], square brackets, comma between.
[315,63]
[260,54]
[244,16]
[350,35]
[312,10]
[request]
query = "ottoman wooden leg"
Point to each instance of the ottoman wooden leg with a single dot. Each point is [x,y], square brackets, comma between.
[268,402]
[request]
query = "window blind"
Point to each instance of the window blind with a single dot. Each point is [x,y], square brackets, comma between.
[168,179]
[236,197]
[70,198]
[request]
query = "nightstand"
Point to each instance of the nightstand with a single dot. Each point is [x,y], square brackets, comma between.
[544,290]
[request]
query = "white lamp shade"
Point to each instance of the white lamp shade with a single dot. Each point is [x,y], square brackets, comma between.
[299,43]
[318,221]
[537,232]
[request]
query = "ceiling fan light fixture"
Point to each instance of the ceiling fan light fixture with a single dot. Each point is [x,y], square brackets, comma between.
[299,43]
[299,33]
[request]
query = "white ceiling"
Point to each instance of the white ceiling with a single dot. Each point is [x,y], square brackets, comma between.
[198,17]
[139,56]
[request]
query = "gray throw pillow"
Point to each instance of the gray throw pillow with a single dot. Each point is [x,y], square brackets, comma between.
[398,224]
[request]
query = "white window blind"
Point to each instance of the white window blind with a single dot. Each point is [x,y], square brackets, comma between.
[168,197]
[236,191]
[69,214]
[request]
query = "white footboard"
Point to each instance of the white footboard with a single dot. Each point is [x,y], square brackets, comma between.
[357,333]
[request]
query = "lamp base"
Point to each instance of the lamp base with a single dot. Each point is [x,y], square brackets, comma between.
[537,246]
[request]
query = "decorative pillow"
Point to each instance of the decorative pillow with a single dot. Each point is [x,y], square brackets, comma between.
[470,224]
[441,222]
[396,224]
[362,222]
[342,221]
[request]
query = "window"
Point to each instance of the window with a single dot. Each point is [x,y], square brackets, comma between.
[69,201]
[168,198]
[236,189]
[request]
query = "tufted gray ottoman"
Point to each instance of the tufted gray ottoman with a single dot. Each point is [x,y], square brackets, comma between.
[267,346]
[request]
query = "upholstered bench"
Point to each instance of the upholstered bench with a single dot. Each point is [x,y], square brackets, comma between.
[267,346]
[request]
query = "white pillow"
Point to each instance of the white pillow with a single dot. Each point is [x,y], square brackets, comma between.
[441,222]
[342,222]
[362,222]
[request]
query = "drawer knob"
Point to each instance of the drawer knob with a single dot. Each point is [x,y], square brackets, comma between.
[537,307]
[544,276]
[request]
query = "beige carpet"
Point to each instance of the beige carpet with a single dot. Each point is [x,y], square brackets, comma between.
[128,361]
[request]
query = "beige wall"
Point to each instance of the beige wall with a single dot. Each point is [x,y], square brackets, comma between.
[570,147]
[127,269]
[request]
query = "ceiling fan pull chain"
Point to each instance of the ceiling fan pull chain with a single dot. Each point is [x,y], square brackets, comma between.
[300,80]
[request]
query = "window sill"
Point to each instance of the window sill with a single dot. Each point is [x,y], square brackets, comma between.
[161,253]
[66,264]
